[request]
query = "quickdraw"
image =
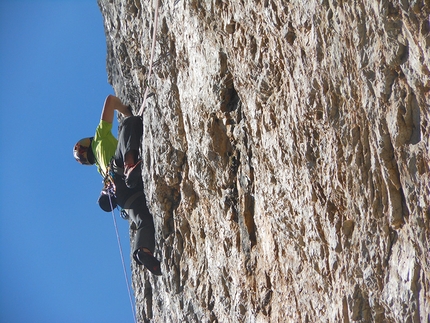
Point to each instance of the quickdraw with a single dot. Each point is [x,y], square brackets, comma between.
[108,180]
[107,198]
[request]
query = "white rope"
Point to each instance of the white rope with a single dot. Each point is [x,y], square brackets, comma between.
[122,260]
[142,108]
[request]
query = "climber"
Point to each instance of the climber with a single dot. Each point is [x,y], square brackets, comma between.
[119,164]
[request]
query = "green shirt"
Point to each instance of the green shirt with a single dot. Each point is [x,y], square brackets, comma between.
[104,146]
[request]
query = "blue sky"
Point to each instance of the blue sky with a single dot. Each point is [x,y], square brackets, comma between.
[59,257]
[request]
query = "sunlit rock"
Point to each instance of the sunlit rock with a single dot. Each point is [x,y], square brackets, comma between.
[286,157]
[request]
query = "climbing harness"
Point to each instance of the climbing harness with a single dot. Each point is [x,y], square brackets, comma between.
[154,34]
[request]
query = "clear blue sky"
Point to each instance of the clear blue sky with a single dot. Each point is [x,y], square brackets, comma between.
[59,257]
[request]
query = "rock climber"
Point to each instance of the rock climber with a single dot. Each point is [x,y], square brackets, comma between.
[118,162]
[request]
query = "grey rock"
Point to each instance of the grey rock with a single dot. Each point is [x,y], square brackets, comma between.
[286,157]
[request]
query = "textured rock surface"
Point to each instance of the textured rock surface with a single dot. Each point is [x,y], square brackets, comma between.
[286,157]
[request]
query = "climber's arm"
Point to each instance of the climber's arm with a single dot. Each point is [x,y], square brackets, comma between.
[113,103]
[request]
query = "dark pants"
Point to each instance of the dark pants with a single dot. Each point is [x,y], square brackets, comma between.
[133,201]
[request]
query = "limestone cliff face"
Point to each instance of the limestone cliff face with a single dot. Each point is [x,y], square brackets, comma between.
[286,157]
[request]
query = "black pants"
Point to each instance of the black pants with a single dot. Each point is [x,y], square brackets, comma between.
[133,201]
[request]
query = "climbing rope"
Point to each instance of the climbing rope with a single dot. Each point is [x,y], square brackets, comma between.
[122,260]
[142,109]
[154,35]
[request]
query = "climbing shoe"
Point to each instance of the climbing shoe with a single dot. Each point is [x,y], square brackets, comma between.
[132,174]
[149,261]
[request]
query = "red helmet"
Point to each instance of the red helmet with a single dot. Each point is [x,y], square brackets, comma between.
[83,152]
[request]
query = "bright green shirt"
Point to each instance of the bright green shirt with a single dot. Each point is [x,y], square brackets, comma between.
[104,146]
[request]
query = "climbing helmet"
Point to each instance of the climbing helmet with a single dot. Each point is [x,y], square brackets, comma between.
[83,152]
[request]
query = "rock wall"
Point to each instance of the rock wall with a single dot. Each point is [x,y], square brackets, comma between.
[286,157]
